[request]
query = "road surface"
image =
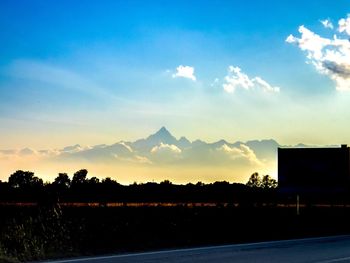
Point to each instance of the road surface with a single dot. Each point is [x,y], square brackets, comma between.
[320,250]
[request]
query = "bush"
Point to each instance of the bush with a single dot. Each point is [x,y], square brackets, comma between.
[36,237]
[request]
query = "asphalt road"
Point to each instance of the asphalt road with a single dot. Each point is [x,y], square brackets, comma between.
[321,250]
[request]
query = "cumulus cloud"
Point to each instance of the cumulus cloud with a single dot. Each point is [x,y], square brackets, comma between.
[237,79]
[241,152]
[330,56]
[327,23]
[162,147]
[259,82]
[344,25]
[310,42]
[185,72]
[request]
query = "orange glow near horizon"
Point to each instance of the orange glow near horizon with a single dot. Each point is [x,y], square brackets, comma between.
[128,174]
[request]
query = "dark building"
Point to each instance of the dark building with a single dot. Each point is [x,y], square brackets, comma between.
[314,169]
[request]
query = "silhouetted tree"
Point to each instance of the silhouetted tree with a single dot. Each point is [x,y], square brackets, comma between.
[82,189]
[268,182]
[21,179]
[110,189]
[62,180]
[79,177]
[254,180]
[94,181]
[109,181]
[199,184]
[166,182]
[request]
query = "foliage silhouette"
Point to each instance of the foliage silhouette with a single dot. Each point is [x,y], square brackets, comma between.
[24,186]
[265,182]
[254,180]
[79,177]
[62,181]
[40,235]
[24,179]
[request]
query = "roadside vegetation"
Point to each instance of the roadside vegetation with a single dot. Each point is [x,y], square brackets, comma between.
[84,216]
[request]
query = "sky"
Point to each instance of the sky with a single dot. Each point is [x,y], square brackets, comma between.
[93,72]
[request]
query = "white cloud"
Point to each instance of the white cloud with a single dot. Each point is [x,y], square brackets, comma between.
[330,56]
[185,72]
[162,147]
[310,42]
[243,151]
[264,85]
[327,23]
[344,25]
[237,79]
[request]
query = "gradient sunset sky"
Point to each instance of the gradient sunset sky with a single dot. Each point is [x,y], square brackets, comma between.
[93,72]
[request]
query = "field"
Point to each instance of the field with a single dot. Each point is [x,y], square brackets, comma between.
[32,232]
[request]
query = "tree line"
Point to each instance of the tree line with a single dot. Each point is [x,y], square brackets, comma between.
[25,186]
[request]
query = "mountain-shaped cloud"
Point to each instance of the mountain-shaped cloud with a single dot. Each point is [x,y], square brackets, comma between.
[100,153]
[27,151]
[160,148]
[75,148]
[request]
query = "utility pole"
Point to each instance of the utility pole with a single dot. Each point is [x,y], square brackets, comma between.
[298,206]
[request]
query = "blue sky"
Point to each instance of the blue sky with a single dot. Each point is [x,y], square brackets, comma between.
[98,71]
